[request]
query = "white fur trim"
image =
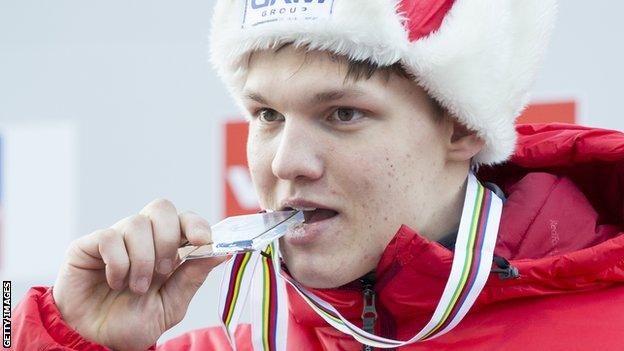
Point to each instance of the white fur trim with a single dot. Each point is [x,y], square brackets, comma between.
[480,64]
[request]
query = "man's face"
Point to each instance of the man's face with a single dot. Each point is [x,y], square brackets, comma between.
[367,154]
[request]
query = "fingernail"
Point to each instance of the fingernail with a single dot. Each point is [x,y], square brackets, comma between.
[142,285]
[204,234]
[164,266]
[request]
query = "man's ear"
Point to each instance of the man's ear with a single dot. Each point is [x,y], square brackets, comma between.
[463,143]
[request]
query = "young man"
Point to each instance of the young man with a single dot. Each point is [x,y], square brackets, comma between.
[369,116]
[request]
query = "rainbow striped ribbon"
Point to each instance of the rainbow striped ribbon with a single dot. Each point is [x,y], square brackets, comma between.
[235,287]
[270,309]
[474,250]
[255,272]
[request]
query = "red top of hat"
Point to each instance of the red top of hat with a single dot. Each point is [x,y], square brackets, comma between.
[423,16]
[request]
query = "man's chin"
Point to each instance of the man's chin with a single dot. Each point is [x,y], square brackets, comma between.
[324,276]
[317,281]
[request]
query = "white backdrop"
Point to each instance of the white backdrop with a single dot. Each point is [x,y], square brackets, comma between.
[131,80]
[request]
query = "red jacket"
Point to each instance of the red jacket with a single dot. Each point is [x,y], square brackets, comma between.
[561,227]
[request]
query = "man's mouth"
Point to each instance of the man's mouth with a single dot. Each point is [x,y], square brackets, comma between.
[318,215]
[318,219]
[313,215]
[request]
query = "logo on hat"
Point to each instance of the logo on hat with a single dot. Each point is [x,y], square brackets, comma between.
[265,11]
[256,4]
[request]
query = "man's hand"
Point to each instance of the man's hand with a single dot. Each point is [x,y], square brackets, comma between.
[118,286]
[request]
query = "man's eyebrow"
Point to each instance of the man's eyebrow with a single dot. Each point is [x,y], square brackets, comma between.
[256,97]
[318,98]
[333,95]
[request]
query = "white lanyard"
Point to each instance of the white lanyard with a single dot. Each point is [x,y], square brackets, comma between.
[260,273]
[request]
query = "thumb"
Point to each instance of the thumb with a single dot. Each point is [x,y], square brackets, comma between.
[184,282]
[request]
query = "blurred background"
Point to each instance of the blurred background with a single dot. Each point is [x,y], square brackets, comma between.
[107,105]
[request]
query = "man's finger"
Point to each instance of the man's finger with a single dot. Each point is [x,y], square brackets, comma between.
[195,229]
[137,232]
[182,285]
[166,229]
[113,251]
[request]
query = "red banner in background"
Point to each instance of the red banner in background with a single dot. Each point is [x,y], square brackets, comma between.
[560,112]
[240,196]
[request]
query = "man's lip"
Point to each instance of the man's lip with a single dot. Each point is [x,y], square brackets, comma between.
[303,203]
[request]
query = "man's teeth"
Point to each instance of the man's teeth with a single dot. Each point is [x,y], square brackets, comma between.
[304,208]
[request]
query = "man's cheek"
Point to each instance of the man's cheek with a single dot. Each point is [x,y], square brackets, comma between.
[371,192]
[259,159]
[262,179]
[263,183]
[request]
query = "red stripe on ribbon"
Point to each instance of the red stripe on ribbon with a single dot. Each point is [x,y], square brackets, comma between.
[238,260]
[272,307]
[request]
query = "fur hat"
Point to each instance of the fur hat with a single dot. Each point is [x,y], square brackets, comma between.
[477,58]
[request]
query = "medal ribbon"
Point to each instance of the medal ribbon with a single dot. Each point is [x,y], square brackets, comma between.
[472,261]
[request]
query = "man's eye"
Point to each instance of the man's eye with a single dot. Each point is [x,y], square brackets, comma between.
[346,115]
[269,115]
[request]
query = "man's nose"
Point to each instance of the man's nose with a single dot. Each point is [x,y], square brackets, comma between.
[297,155]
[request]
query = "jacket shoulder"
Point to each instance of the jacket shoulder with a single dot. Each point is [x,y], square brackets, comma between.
[38,325]
[558,144]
